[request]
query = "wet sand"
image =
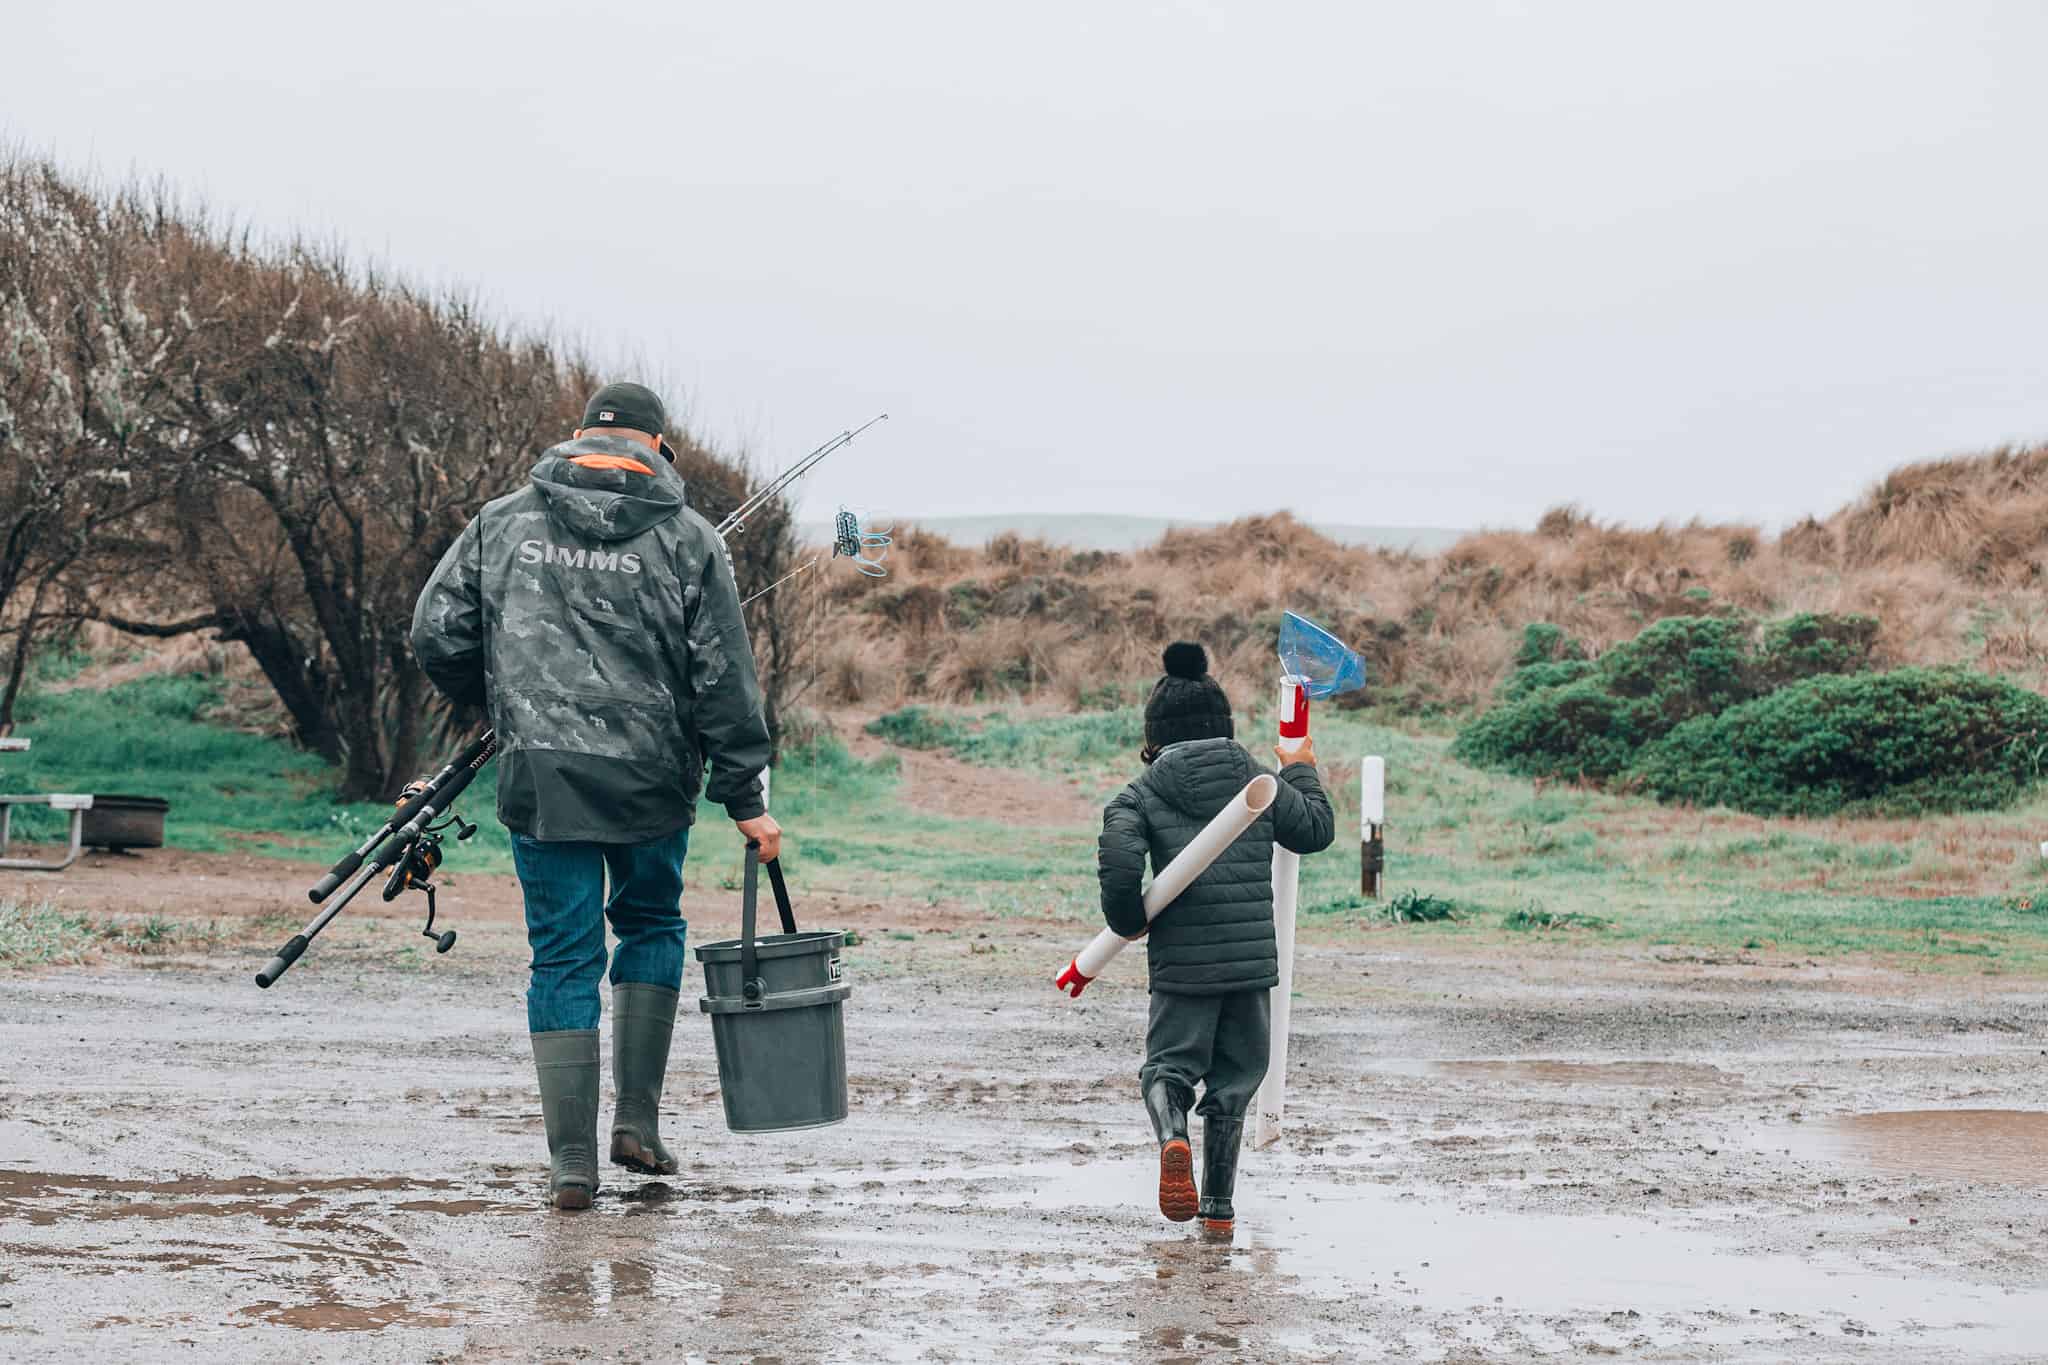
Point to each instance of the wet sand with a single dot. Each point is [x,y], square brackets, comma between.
[1487,1159]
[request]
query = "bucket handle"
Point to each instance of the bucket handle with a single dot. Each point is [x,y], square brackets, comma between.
[751,985]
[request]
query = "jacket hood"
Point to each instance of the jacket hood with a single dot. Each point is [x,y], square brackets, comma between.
[606,504]
[1199,776]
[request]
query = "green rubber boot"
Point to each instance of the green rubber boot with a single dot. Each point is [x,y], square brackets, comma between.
[567,1063]
[643,1020]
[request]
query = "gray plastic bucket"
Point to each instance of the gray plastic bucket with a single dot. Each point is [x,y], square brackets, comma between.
[781,1046]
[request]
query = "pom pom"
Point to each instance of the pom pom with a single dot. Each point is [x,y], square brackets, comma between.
[1185,659]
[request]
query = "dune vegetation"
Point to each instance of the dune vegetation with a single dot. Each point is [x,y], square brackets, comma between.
[1947,557]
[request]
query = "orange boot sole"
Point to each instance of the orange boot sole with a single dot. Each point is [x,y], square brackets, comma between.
[1177,1197]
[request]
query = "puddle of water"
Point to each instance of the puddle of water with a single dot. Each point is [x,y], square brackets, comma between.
[460,1207]
[19,1184]
[1376,1240]
[2009,1146]
[344,1317]
[1347,1240]
[1663,1075]
[1338,1240]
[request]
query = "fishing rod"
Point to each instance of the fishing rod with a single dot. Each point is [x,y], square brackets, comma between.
[737,520]
[408,845]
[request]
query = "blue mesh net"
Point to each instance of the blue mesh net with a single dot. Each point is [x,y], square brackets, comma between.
[1308,651]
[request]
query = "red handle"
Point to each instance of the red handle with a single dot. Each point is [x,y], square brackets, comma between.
[1294,720]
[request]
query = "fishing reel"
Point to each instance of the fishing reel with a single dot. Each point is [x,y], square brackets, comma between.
[414,871]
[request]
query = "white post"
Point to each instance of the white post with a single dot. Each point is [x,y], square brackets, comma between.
[1372,820]
[1272,1101]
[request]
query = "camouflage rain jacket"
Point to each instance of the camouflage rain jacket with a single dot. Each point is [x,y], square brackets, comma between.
[595,615]
[1218,936]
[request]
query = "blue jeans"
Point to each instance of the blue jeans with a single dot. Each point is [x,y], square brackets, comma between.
[566,908]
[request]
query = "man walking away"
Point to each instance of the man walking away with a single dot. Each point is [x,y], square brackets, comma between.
[596,617]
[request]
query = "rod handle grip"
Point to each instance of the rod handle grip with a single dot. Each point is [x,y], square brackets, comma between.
[282,963]
[336,875]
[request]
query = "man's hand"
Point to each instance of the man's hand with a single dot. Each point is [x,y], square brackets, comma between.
[1305,752]
[763,829]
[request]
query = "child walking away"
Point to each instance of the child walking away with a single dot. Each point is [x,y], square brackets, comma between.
[1211,954]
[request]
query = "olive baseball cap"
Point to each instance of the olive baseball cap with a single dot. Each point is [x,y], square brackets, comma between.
[633,406]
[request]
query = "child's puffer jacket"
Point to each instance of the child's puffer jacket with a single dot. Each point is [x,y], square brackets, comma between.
[1218,937]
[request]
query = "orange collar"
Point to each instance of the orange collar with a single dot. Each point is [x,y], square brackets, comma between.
[610,462]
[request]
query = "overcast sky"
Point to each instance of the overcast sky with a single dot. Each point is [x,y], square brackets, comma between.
[1415,264]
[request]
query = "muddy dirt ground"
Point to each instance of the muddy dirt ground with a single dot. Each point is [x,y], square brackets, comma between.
[1553,1153]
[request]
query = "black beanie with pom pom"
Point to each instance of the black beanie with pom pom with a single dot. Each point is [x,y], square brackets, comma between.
[1187,703]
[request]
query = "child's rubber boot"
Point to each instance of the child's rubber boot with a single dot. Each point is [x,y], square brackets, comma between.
[1220,1139]
[567,1063]
[643,1020]
[1177,1197]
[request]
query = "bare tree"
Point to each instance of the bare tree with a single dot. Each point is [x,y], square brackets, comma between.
[380,420]
[100,333]
[275,445]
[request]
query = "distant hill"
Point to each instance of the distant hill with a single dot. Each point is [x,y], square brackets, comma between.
[1093,531]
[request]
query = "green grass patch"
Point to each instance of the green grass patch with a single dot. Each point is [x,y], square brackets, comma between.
[1088,740]
[1529,917]
[41,935]
[150,737]
[918,727]
[1945,893]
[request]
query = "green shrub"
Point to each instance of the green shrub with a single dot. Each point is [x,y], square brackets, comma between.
[1579,730]
[1812,645]
[1419,907]
[1911,741]
[1530,679]
[1684,665]
[1544,643]
[1559,715]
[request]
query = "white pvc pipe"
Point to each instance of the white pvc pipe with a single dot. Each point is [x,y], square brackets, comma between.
[1272,1100]
[1220,833]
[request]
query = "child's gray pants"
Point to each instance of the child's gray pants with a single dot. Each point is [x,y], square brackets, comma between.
[1218,1041]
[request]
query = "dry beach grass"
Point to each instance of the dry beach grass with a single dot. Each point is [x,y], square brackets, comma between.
[1950,555]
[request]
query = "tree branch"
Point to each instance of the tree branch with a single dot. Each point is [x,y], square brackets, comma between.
[158,630]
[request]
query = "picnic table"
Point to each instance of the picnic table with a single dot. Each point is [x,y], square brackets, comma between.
[78,805]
